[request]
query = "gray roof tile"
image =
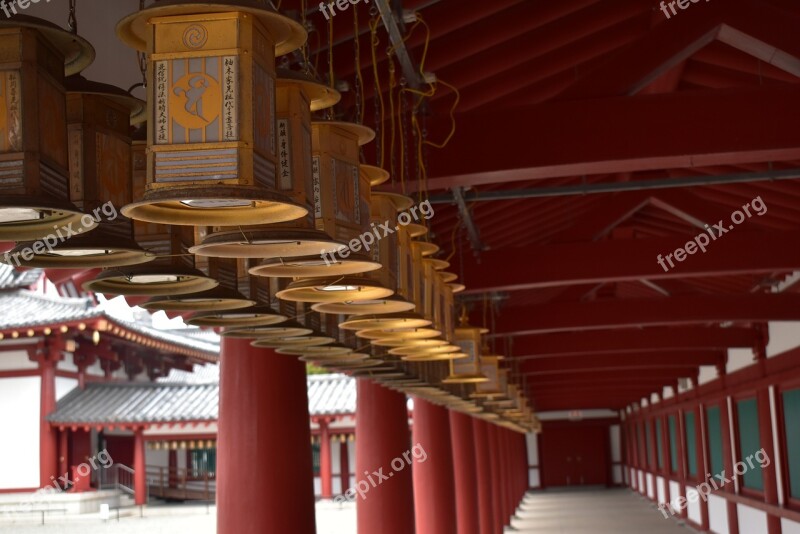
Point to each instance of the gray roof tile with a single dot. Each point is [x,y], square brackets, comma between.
[333,394]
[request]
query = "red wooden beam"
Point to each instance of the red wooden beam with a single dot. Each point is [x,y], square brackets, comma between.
[729,127]
[694,310]
[663,359]
[640,341]
[735,253]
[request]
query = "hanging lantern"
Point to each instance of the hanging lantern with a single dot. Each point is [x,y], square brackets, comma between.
[232,273]
[212,143]
[226,296]
[34,191]
[297,96]
[290,328]
[385,251]
[98,119]
[174,271]
[341,205]
[489,367]
[467,370]
[404,320]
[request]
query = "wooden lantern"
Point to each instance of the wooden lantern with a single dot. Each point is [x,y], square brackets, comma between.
[34,191]
[212,139]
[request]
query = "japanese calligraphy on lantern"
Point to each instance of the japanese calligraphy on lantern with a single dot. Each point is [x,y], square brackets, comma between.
[162,106]
[284,155]
[317,191]
[230,120]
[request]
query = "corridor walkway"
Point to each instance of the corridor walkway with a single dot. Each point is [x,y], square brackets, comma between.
[597,511]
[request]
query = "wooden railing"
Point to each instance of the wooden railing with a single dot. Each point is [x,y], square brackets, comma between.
[181,483]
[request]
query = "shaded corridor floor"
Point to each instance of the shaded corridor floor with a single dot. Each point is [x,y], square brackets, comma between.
[596,511]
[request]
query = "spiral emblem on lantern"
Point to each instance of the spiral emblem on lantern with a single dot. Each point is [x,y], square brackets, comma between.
[195,36]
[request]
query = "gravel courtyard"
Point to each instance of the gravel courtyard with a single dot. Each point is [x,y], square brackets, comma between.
[331,519]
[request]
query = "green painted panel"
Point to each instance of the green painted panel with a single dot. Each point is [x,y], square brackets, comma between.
[791,421]
[749,443]
[691,444]
[673,443]
[659,444]
[714,432]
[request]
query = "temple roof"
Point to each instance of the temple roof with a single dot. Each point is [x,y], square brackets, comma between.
[173,402]
[11,278]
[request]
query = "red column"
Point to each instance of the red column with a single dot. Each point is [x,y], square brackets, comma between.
[434,485]
[483,472]
[139,468]
[48,438]
[63,451]
[344,465]
[464,468]
[325,461]
[265,480]
[381,436]
[172,468]
[498,511]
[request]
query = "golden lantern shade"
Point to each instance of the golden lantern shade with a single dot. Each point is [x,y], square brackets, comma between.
[341,289]
[34,192]
[226,296]
[341,195]
[98,128]
[405,320]
[297,95]
[212,140]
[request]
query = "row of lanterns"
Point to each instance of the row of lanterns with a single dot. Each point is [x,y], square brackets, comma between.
[230,201]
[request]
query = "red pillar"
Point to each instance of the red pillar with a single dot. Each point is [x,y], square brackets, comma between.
[464,468]
[325,461]
[139,468]
[497,487]
[434,485]
[48,438]
[265,480]
[172,468]
[344,465]
[483,474]
[381,436]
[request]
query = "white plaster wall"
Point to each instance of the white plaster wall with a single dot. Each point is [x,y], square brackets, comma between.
[95,369]
[790,527]
[64,386]
[718,515]
[616,443]
[317,486]
[674,489]
[16,360]
[783,336]
[693,506]
[156,458]
[616,474]
[641,486]
[532,445]
[651,490]
[739,359]
[661,487]
[708,373]
[19,413]
[751,521]
[67,364]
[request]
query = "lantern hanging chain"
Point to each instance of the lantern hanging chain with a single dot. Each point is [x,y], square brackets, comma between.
[392,125]
[304,48]
[403,160]
[331,79]
[72,20]
[360,102]
[379,108]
